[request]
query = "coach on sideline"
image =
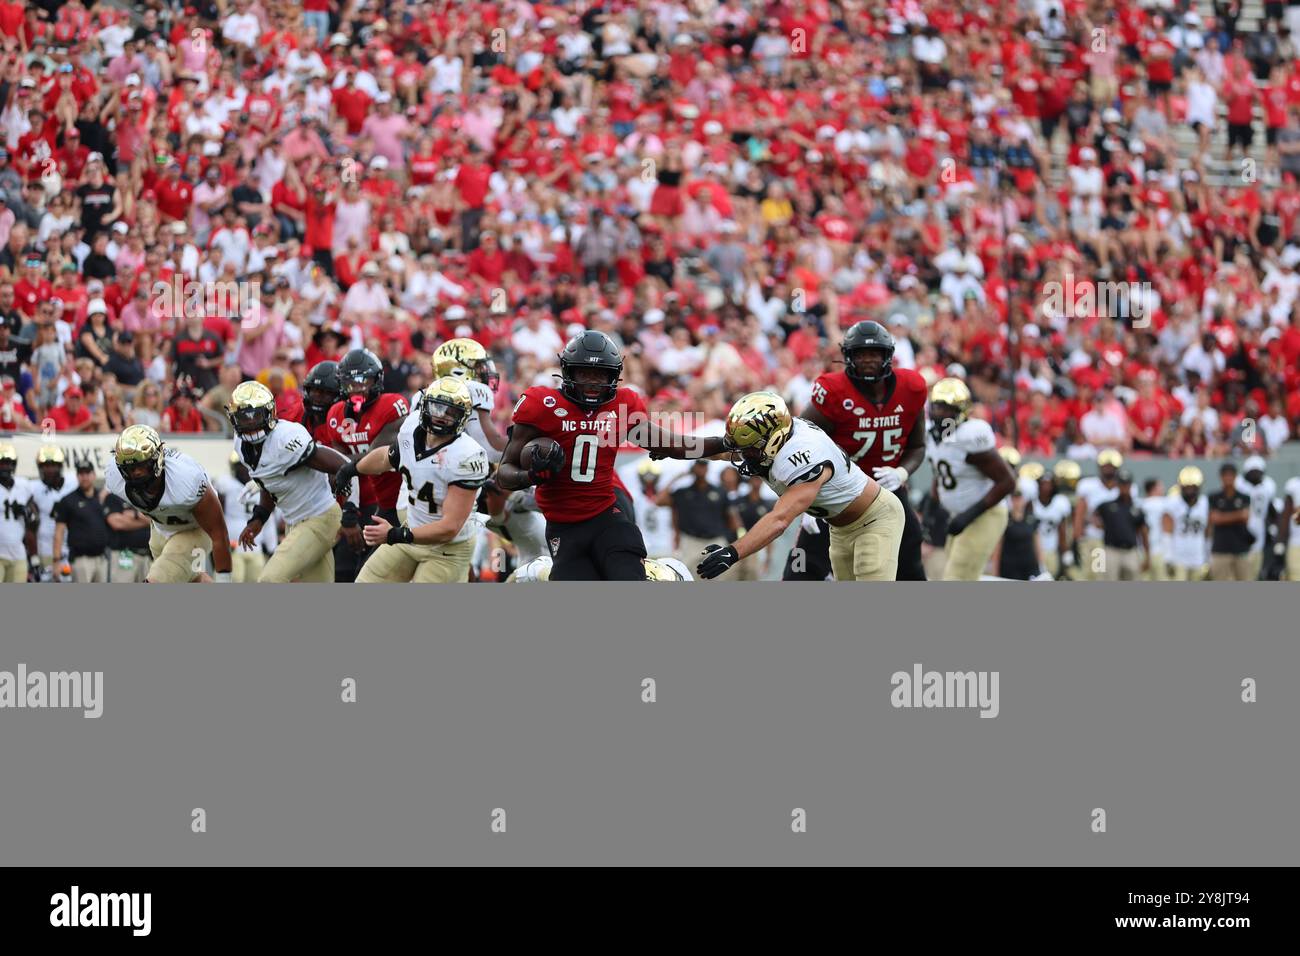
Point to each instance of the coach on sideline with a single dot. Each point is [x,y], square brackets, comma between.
[80,518]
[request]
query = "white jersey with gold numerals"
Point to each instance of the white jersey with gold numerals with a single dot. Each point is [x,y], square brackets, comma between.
[428,474]
[184,484]
[1050,516]
[961,484]
[13,518]
[46,498]
[484,401]
[300,491]
[1187,545]
[806,452]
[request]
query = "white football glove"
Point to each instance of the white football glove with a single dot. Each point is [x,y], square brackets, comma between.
[891,479]
[809,524]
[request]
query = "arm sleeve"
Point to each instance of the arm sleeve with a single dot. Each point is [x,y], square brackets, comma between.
[394,456]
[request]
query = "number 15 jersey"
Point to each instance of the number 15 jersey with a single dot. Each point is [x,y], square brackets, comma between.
[872,435]
[585,485]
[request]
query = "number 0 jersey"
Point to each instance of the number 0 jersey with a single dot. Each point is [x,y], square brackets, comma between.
[300,492]
[806,452]
[428,474]
[961,484]
[585,485]
[872,435]
[184,484]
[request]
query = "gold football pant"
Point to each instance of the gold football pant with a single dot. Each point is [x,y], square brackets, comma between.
[180,558]
[13,571]
[867,550]
[307,551]
[418,563]
[969,552]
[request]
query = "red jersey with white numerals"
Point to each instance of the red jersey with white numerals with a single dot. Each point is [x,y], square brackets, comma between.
[355,435]
[872,435]
[585,485]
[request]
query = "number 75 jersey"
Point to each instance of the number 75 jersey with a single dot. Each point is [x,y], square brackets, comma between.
[872,435]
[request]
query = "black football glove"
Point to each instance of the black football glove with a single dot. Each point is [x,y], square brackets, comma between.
[343,479]
[547,466]
[717,560]
[959,523]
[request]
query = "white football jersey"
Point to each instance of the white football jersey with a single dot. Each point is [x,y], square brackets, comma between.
[655,521]
[1188,546]
[429,474]
[1292,490]
[13,518]
[1154,508]
[1049,517]
[300,491]
[1261,498]
[1096,494]
[184,484]
[46,498]
[522,524]
[238,501]
[484,401]
[961,484]
[801,458]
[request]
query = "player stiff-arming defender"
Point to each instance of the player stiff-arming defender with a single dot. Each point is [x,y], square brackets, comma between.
[970,480]
[876,414]
[656,569]
[290,468]
[366,418]
[173,490]
[444,469]
[592,536]
[468,360]
[811,475]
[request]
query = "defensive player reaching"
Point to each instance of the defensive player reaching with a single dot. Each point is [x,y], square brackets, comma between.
[291,468]
[366,417]
[173,490]
[591,534]
[811,475]
[876,414]
[970,480]
[444,469]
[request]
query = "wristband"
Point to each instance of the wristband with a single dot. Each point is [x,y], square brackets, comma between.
[351,517]
[402,535]
[260,513]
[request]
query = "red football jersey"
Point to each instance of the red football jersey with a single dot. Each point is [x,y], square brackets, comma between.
[354,438]
[872,435]
[585,486]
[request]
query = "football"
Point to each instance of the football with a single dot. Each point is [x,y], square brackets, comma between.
[541,447]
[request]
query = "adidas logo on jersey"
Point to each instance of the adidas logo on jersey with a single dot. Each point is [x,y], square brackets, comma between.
[898,408]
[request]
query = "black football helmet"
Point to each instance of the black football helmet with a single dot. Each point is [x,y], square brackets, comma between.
[594,350]
[861,337]
[322,388]
[361,373]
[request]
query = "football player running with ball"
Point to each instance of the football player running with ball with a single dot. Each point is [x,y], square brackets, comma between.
[876,414]
[290,467]
[444,469]
[572,435]
[173,490]
[971,480]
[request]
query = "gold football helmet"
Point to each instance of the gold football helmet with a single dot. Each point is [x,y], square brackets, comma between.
[649,470]
[665,569]
[139,455]
[251,411]
[50,455]
[1010,455]
[1067,473]
[446,407]
[953,393]
[1110,457]
[1032,471]
[1191,477]
[8,459]
[758,425]
[465,358]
